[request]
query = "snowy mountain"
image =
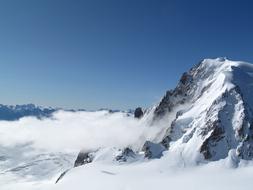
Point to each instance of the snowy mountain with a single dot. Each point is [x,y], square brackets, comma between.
[207,117]
[209,112]
[206,121]
[15,112]
[11,113]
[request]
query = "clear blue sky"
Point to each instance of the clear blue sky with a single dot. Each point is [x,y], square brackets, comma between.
[113,53]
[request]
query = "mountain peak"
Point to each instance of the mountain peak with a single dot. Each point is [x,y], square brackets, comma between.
[218,59]
[209,113]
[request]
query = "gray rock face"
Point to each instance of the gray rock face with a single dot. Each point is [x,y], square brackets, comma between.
[83,158]
[221,130]
[138,113]
[175,97]
[166,142]
[62,175]
[125,155]
[153,150]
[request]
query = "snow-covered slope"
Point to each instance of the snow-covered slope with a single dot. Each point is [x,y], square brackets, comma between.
[207,117]
[209,113]
[207,120]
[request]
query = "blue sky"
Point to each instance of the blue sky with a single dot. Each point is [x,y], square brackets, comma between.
[113,53]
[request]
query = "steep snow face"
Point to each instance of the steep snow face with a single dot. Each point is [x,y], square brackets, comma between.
[209,112]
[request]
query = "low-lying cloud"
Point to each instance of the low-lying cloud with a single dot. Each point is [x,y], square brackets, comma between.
[77,130]
[72,131]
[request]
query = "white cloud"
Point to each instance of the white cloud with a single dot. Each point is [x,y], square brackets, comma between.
[91,130]
[76,130]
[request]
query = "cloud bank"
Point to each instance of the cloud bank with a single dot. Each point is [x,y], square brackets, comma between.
[67,131]
[72,131]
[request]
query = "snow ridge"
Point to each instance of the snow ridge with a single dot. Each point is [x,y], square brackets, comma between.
[212,111]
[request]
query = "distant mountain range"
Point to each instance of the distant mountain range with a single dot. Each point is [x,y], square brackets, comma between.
[15,112]
[18,111]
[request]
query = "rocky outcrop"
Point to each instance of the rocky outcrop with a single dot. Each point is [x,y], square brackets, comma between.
[83,158]
[153,150]
[175,97]
[125,155]
[166,142]
[62,175]
[138,113]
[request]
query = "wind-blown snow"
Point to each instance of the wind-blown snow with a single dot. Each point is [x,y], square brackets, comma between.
[219,91]
[34,152]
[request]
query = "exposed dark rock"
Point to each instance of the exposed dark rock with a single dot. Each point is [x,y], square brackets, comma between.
[164,106]
[166,142]
[184,78]
[221,136]
[217,133]
[61,176]
[204,149]
[153,150]
[125,155]
[179,113]
[83,158]
[175,97]
[138,113]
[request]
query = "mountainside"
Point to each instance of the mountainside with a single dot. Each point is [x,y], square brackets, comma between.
[207,121]
[209,113]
